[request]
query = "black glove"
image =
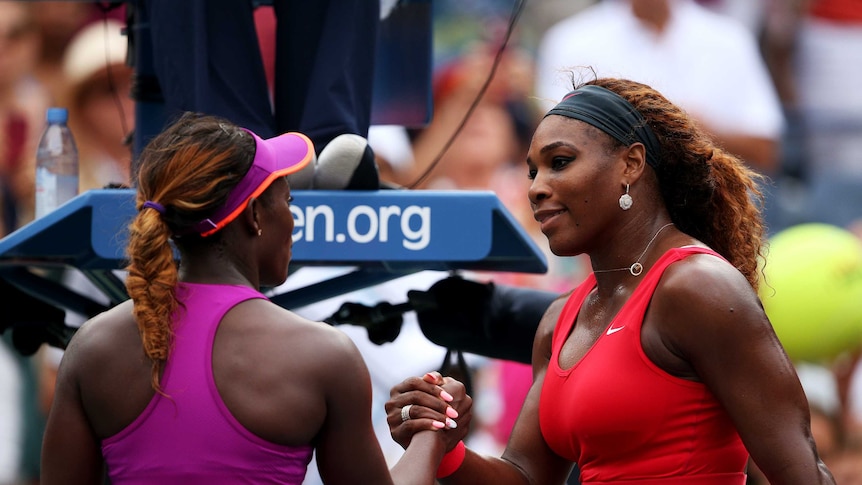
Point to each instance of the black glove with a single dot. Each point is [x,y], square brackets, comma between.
[481,318]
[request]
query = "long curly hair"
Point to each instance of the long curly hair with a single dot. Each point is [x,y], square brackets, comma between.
[710,194]
[189,169]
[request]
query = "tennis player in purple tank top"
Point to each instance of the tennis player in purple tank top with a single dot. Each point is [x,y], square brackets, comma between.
[199,378]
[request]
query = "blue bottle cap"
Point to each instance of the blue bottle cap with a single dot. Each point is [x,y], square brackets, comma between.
[57,115]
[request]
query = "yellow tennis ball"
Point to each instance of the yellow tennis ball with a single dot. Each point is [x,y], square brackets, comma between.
[812,291]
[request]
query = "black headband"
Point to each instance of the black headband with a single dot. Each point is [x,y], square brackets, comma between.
[611,113]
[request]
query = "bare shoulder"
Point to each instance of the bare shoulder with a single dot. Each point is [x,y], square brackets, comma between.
[708,280]
[103,337]
[322,338]
[282,337]
[267,359]
[703,300]
[312,332]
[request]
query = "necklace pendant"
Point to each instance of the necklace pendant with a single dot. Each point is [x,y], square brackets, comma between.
[636,269]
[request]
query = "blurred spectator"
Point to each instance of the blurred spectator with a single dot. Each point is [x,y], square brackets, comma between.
[56,24]
[22,111]
[497,133]
[101,110]
[685,51]
[815,51]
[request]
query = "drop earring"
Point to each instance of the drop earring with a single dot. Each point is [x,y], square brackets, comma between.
[259,231]
[626,200]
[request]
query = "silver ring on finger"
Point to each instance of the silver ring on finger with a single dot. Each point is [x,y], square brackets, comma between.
[405,412]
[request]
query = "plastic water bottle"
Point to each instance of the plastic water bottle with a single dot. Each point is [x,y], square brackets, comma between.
[56,163]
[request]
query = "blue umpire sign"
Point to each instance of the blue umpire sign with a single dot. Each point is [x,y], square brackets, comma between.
[385,234]
[392,225]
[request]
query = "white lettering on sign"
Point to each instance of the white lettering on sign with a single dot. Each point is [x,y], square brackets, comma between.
[365,224]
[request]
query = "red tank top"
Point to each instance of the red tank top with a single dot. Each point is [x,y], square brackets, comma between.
[624,420]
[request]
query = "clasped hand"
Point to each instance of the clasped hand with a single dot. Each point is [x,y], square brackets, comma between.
[435,403]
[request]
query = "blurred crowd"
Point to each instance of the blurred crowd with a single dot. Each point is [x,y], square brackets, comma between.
[772,80]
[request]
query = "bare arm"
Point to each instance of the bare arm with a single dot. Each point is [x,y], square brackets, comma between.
[71,452]
[727,339]
[527,458]
[347,448]
[779,44]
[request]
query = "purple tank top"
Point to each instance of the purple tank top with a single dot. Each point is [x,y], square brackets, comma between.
[190,437]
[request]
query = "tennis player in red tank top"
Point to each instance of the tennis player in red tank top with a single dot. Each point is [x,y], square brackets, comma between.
[661,368]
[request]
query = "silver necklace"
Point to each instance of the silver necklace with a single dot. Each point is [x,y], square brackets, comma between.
[637,268]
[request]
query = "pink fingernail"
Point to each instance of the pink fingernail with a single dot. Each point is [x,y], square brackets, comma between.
[438,424]
[451,423]
[451,412]
[446,396]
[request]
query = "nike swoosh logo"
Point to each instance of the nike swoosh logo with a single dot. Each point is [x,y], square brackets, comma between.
[613,330]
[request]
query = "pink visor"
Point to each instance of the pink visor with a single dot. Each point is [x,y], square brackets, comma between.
[273,158]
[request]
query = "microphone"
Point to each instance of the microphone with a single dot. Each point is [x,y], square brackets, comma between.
[346,162]
[303,179]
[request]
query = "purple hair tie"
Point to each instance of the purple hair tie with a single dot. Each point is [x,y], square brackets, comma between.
[154,205]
